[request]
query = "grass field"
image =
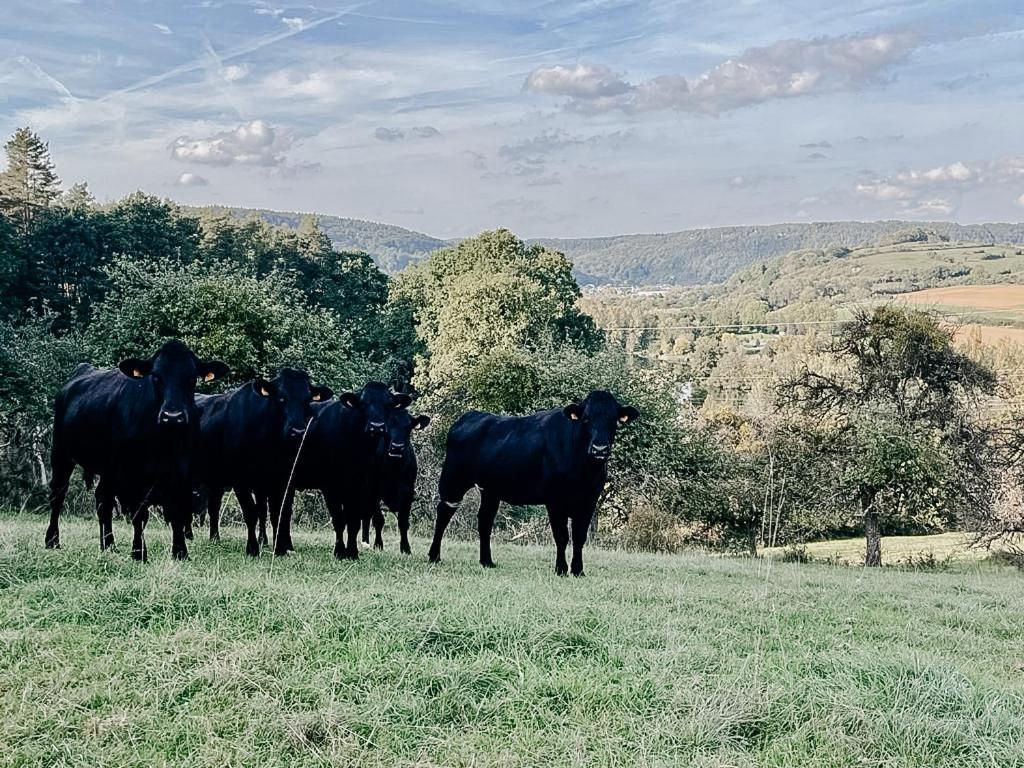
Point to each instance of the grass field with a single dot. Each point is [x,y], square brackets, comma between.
[648,661]
[897,550]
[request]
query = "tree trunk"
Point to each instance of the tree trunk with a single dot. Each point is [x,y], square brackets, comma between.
[873,537]
[872,529]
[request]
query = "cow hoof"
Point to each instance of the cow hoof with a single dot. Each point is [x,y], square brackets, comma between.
[578,575]
[53,543]
[561,570]
[280,552]
[488,564]
[139,555]
[214,537]
[434,555]
[179,554]
[252,551]
[379,546]
[406,550]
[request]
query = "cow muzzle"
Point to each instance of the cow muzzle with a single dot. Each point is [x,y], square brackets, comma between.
[600,452]
[294,433]
[396,450]
[172,417]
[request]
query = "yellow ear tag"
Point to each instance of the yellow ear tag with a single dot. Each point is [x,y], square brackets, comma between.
[136,373]
[624,418]
[574,416]
[316,398]
[264,392]
[210,376]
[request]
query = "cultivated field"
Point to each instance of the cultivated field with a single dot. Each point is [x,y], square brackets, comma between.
[650,660]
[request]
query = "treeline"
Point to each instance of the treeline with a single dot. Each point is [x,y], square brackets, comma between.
[878,428]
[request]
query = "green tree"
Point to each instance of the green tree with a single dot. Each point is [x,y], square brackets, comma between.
[489,295]
[29,184]
[255,325]
[899,403]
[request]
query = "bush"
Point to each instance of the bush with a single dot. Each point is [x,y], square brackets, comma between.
[650,529]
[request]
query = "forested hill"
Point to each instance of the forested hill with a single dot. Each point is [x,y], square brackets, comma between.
[711,255]
[392,247]
[692,256]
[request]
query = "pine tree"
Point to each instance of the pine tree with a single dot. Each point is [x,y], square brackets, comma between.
[29,183]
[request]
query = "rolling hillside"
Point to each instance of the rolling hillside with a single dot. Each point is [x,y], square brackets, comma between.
[688,257]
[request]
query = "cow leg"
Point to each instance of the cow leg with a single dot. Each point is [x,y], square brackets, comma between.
[281,508]
[250,513]
[353,512]
[580,528]
[378,526]
[560,530]
[140,515]
[179,510]
[403,525]
[366,528]
[485,524]
[214,499]
[105,513]
[337,513]
[61,468]
[263,521]
[450,493]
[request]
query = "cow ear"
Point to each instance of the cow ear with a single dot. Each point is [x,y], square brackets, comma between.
[573,411]
[421,421]
[401,400]
[262,387]
[628,413]
[349,399]
[211,370]
[320,394]
[134,368]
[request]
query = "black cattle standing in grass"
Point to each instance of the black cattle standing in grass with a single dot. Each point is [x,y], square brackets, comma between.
[337,456]
[135,427]
[557,458]
[249,442]
[393,477]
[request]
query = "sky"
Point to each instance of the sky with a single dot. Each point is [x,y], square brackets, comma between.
[566,118]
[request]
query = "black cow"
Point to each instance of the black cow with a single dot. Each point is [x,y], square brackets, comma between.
[393,477]
[557,458]
[134,426]
[250,439]
[336,460]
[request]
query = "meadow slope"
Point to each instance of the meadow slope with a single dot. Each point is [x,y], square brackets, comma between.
[649,660]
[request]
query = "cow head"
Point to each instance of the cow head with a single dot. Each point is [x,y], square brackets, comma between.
[598,418]
[400,425]
[374,404]
[292,394]
[172,372]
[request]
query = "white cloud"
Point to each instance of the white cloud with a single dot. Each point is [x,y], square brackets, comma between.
[294,22]
[190,180]
[253,143]
[162,29]
[325,85]
[398,134]
[233,72]
[934,206]
[582,81]
[786,69]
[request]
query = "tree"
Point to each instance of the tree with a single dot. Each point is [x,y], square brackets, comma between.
[490,295]
[898,401]
[29,184]
[255,325]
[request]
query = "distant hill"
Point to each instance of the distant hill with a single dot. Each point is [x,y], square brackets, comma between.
[392,247]
[689,257]
[697,256]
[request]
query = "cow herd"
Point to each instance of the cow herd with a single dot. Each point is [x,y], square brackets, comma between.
[144,437]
